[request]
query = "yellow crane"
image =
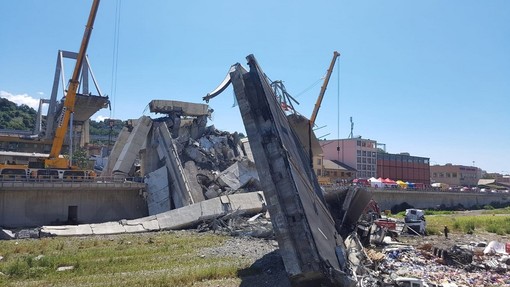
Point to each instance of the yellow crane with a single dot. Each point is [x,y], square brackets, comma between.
[54,161]
[323,89]
[54,165]
[323,180]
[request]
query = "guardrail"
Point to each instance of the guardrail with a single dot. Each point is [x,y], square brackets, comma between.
[20,182]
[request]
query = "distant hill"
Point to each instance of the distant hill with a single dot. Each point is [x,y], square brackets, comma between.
[100,131]
[16,117]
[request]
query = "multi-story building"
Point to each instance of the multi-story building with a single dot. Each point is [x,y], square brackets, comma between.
[358,153]
[456,175]
[403,167]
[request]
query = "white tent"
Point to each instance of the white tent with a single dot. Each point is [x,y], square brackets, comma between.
[374,182]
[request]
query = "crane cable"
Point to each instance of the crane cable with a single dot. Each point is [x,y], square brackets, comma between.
[310,87]
[115,58]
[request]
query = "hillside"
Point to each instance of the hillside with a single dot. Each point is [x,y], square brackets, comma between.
[16,117]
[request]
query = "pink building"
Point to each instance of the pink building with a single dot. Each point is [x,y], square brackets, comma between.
[358,153]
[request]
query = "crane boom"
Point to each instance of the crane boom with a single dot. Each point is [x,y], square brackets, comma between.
[323,89]
[63,121]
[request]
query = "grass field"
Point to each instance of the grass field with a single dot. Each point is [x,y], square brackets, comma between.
[154,259]
[492,221]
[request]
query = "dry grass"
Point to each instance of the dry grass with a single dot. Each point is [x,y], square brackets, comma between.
[153,259]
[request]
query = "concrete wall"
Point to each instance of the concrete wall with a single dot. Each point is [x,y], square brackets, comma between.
[426,199]
[30,208]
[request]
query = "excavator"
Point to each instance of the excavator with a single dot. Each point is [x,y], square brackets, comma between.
[56,166]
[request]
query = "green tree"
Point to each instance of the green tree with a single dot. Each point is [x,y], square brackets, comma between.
[16,117]
[81,158]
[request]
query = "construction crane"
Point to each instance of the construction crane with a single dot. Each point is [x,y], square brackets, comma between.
[55,166]
[54,160]
[323,89]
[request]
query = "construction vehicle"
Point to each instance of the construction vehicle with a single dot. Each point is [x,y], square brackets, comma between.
[56,166]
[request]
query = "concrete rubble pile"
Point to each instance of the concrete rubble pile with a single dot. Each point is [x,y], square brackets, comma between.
[456,265]
[182,160]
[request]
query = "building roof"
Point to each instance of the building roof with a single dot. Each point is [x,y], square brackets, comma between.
[335,164]
[486,181]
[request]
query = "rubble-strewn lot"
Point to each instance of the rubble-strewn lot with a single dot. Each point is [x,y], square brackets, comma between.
[207,257]
[425,261]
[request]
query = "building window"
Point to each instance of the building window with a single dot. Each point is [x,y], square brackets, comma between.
[326,173]
[448,174]
[434,174]
[335,173]
[359,159]
[363,144]
[359,152]
[364,153]
[441,174]
[359,143]
[374,154]
[319,171]
[364,160]
[319,161]
[454,174]
[342,174]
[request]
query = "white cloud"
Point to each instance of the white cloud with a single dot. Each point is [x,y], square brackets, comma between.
[100,118]
[23,99]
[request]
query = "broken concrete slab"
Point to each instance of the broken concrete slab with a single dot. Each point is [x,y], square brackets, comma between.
[121,141]
[28,233]
[107,228]
[191,215]
[149,223]
[239,174]
[134,228]
[158,194]
[247,149]
[66,230]
[179,108]
[6,234]
[311,248]
[167,151]
[134,144]
[192,175]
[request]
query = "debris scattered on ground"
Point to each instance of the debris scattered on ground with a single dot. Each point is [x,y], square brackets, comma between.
[440,262]
[65,268]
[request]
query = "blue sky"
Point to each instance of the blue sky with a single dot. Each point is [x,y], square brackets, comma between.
[431,78]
